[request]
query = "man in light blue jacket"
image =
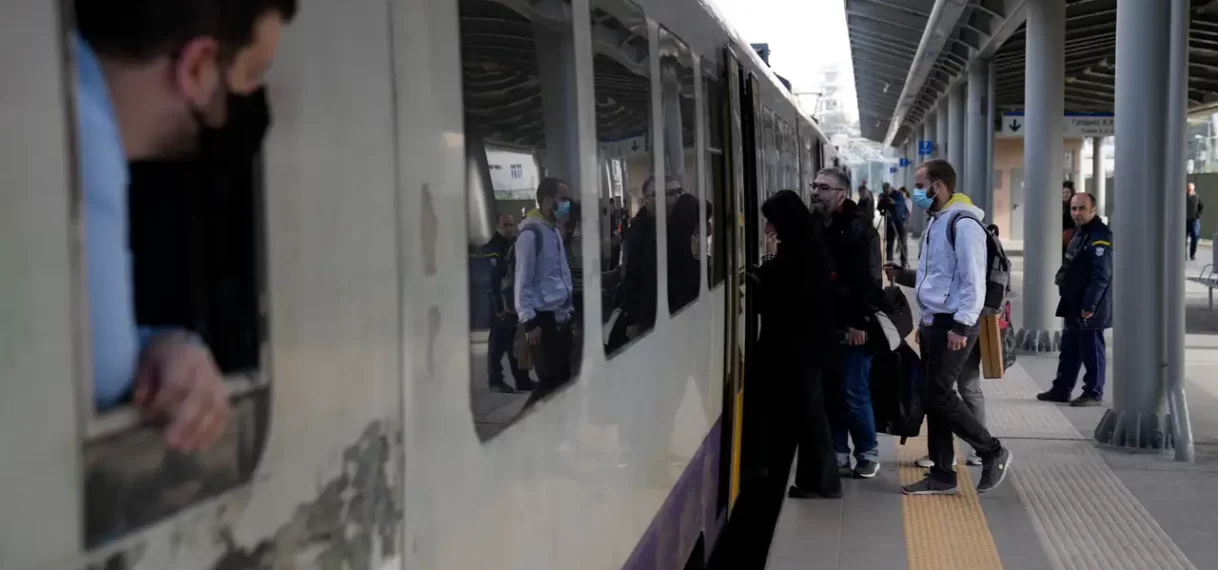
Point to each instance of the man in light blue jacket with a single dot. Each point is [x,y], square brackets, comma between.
[950,283]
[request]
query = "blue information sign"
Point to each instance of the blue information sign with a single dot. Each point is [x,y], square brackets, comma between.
[904,162]
[892,170]
[926,148]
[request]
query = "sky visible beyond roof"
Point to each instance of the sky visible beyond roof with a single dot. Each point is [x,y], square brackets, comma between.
[804,36]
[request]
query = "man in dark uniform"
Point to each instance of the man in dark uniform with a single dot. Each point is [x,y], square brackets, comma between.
[1086,305]
[503,321]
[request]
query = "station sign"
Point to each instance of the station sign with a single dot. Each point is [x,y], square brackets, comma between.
[904,162]
[892,170]
[926,148]
[1074,125]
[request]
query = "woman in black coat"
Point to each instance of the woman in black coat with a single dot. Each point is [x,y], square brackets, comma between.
[794,293]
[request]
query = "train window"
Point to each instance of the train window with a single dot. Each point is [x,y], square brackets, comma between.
[767,153]
[680,163]
[717,177]
[174,298]
[622,85]
[518,82]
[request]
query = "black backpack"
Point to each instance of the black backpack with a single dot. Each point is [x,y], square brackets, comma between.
[998,266]
[507,285]
[896,392]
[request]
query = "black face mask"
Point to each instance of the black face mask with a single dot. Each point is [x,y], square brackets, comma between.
[240,138]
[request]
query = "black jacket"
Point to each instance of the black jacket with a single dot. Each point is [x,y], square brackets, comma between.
[1085,278]
[496,252]
[636,294]
[1194,207]
[854,249]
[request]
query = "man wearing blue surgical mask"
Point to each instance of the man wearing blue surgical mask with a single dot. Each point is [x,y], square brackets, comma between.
[543,288]
[950,283]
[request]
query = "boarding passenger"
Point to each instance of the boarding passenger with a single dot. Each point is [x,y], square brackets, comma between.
[950,283]
[543,288]
[1084,281]
[1192,219]
[153,79]
[854,250]
[684,268]
[794,296]
[503,321]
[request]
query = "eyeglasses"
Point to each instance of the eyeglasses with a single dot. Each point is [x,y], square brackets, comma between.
[826,188]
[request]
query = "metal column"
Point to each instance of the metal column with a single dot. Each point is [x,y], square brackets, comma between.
[556,74]
[1097,174]
[1044,92]
[943,140]
[977,159]
[1175,165]
[1136,418]
[956,145]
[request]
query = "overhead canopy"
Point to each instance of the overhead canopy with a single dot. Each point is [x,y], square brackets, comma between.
[886,36]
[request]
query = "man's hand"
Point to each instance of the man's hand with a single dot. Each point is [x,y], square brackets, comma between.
[178,381]
[1087,315]
[955,341]
[857,337]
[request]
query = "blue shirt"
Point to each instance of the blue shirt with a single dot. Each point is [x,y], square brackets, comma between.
[104,177]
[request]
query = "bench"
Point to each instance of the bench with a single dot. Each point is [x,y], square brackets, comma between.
[1209,279]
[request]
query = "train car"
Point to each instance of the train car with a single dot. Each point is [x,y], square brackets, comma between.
[339,281]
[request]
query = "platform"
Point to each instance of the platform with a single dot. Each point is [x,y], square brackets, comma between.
[1067,504]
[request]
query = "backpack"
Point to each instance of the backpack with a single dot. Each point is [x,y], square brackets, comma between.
[998,267]
[896,392]
[507,285]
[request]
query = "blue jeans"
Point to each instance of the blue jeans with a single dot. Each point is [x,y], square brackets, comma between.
[1194,235]
[854,418]
[1082,349]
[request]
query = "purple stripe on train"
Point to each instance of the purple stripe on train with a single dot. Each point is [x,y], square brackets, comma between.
[689,510]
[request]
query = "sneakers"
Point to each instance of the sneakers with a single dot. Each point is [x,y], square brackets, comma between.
[929,486]
[866,469]
[1086,401]
[926,462]
[994,471]
[1051,396]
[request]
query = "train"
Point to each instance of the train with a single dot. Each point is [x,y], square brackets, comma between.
[338,283]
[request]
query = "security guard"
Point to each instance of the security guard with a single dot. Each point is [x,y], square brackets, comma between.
[1086,305]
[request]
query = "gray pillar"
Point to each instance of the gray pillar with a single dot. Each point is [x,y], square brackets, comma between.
[1097,174]
[1043,156]
[989,139]
[556,75]
[1175,165]
[956,144]
[977,144]
[942,136]
[928,134]
[674,146]
[1136,418]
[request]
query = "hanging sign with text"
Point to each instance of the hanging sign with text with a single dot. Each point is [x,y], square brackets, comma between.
[1074,126]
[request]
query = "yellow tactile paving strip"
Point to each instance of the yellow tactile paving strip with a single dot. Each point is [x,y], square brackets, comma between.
[944,532]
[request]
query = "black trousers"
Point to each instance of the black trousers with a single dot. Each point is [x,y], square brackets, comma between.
[552,357]
[946,413]
[802,423]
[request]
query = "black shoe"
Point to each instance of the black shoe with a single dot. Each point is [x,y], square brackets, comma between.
[866,469]
[525,386]
[1051,396]
[929,486]
[994,470]
[797,493]
[1086,401]
[844,470]
[501,388]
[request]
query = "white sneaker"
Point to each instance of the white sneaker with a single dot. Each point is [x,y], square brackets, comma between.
[973,459]
[926,462]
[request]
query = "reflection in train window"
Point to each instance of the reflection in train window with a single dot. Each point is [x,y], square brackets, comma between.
[717,175]
[621,69]
[680,163]
[520,141]
[172,274]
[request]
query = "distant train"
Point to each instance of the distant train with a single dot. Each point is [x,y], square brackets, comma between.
[336,288]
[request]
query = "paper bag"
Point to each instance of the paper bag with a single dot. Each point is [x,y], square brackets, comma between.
[990,340]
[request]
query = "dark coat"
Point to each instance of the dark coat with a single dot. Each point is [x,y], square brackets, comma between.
[854,251]
[636,294]
[496,252]
[1085,278]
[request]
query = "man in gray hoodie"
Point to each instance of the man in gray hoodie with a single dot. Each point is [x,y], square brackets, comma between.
[950,282]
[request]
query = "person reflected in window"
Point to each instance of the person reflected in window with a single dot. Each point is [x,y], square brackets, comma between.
[503,321]
[544,288]
[153,79]
[684,269]
[636,293]
[795,300]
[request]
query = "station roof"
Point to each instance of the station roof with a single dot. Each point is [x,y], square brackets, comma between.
[885,35]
